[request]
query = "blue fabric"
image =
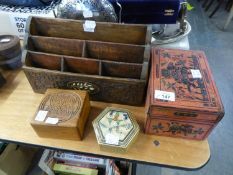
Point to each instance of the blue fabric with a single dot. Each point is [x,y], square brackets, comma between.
[26,3]
[148,11]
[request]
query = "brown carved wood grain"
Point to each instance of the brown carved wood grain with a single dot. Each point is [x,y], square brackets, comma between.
[115,52]
[70,107]
[121,90]
[46,61]
[117,66]
[120,69]
[81,65]
[94,49]
[109,32]
[61,46]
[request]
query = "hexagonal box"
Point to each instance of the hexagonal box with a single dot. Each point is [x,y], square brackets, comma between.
[115,129]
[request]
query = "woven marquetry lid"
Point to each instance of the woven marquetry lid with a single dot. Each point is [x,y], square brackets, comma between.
[60,105]
[182,79]
[62,114]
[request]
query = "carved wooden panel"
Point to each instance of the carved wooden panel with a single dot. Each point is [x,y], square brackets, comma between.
[176,128]
[172,71]
[62,114]
[63,105]
[110,66]
[195,107]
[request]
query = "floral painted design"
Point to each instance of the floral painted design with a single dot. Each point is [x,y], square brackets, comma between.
[176,128]
[175,76]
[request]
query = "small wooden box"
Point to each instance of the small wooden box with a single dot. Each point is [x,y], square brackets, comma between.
[114,67]
[182,98]
[62,114]
[115,129]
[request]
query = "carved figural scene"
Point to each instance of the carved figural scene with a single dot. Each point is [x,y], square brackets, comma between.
[182,98]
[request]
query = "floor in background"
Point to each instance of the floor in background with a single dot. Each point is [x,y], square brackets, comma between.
[207,35]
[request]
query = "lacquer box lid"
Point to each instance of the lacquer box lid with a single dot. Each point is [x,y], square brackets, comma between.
[62,114]
[115,129]
[182,79]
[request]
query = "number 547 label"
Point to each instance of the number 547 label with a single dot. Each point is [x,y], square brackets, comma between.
[164,95]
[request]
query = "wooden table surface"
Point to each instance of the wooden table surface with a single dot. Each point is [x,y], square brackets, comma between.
[18,104]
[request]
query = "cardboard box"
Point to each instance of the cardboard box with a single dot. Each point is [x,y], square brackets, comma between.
[14,23]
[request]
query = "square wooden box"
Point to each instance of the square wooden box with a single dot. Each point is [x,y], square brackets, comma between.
[113,60]
[67,113]
[182,98]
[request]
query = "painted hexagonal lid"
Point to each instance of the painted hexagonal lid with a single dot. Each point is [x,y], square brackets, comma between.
[115,127]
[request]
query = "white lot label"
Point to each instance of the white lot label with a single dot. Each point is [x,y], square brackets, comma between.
[89,26]
[163,95]
[87,14]
[196,73]
[5,40]
[51,120]
[41,115]
[112,139]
